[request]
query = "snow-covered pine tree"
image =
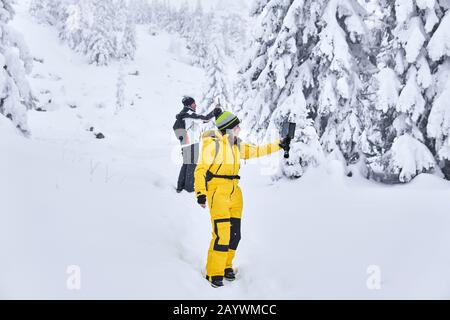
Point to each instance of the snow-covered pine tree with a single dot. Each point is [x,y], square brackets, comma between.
[268,19]
[128,45]
[438,127]
[404,91]
[71,26]
[101,43]
[100,29]
[37,9]
[86,9]
[195,26]
[156,12]
[48,11]
[314,52]
[183,23]
[340,64]
[15,93]
[120,90]
[164,15]
[197,42]
[198,11]
[124,27]
[234,32]
[65,15]
[141,11]
[218,84]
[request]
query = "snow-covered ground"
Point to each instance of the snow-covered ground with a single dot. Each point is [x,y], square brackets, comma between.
[109,206]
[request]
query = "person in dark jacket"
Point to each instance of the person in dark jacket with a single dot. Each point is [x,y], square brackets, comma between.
[188,125]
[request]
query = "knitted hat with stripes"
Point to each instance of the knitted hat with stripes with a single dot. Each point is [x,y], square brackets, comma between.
[227,121]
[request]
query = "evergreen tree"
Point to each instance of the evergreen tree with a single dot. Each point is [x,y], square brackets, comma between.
[197,41]
[120,92]
[313,51]
[100,29]
[438,126]
[183,20]
[87,20]
[37,9]
[234,33]
[71,26]
[15,93]
[128,45]
[214,62]
[141,11]
[48,11]
[218,86]
[404,92]
[124,28]
[101,44]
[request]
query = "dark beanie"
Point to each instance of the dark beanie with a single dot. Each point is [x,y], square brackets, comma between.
[188,101]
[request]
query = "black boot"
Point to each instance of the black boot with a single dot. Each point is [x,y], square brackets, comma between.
[229,274]
[216,281]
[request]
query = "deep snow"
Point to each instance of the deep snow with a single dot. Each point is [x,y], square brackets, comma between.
[109,205]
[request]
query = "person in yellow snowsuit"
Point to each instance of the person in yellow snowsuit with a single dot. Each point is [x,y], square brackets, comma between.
[216,183]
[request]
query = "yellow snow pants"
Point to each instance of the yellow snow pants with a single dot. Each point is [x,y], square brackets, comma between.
[224,199]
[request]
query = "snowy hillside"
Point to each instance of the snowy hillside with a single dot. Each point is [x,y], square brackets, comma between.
[109,207]
[235,6]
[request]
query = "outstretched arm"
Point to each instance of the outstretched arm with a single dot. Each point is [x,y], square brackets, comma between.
[193,115]
[249,151]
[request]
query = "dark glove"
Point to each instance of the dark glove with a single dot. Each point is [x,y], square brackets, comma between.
[214,114]
[217,112]
[201,199]
[286,144]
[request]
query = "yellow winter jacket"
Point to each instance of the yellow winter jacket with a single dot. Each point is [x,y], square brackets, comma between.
[221,156]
